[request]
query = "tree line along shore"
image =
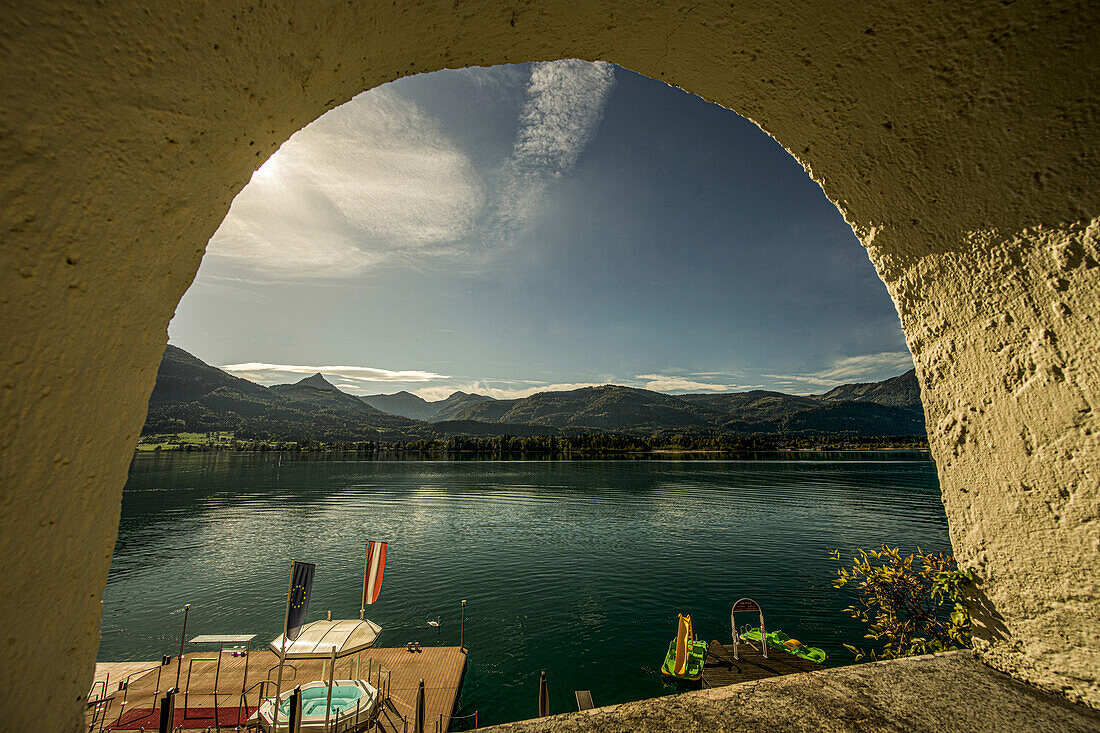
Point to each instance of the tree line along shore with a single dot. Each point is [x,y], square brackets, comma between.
[546,445]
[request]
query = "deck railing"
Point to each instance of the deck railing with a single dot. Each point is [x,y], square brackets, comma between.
[125,687]
[243,704]
[440,725]
[457,718]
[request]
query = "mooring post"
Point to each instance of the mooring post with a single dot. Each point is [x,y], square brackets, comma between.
[167,711]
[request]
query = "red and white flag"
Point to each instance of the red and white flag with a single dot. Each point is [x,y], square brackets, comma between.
[375,569]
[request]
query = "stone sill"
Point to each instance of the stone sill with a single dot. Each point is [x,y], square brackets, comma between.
[934,693]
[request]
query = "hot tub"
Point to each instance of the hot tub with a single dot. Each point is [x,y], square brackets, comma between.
[350,699]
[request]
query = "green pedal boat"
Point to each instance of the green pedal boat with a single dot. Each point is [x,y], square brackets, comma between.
[686,656]
[779,640]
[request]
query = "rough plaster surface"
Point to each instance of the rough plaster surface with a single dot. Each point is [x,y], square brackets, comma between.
[958,139]
[932,694]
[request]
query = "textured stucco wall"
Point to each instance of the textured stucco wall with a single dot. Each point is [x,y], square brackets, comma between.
[927,694]
[958,139]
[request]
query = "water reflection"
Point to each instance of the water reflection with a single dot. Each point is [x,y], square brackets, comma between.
[578,568]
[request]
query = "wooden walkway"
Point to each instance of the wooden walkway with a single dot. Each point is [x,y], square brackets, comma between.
[722,669]
[441,668]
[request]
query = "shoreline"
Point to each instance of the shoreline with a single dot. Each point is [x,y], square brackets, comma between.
[889,453]
[542,446]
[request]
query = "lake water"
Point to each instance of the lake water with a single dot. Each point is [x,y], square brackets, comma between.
[578,568]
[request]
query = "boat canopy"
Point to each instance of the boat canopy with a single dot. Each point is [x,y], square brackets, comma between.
[316,639]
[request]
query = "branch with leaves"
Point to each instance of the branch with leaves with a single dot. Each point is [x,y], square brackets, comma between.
[911,604]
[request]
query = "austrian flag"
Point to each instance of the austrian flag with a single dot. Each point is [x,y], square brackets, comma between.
[372,573]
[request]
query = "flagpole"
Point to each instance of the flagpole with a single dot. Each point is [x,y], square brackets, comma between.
[366,559]
[331,682]
[282,653]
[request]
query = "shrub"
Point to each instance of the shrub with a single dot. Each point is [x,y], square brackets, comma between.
[911,605]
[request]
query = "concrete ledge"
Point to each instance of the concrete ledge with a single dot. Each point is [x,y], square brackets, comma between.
[941,692]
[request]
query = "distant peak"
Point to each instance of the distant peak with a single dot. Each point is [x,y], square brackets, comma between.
[317,380]
[459,395]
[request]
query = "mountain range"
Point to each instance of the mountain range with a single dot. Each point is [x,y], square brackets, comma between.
[406,404]
[192,396]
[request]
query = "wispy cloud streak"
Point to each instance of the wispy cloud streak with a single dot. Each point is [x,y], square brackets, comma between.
[562,110]
[865,367]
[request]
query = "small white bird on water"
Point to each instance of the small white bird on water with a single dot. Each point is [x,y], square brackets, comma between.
[434,623]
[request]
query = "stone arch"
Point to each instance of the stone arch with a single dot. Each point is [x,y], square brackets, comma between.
[959,142]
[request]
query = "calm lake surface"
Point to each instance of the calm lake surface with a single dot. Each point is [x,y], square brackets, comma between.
[578,568]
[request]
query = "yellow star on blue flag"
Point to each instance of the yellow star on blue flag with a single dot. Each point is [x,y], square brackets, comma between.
[301,583]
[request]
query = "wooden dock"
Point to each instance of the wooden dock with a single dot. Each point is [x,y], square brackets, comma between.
[722,669]
[441,668]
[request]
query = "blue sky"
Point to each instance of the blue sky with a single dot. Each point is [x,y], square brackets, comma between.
[543,226]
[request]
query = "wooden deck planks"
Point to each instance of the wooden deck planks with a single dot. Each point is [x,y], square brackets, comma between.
[722,669]
[112,673]
[441,668]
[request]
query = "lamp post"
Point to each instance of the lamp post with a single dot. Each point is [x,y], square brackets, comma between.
[462,632]
[183,635]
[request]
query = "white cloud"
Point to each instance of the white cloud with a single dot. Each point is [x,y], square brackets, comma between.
[434,394]
[433,386]
[277,373]
[370,181]
[518,388]
[673,383]
[564,105]
[866,367]
[373,380]
[501,393]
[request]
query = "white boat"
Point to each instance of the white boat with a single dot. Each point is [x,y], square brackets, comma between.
[352,705]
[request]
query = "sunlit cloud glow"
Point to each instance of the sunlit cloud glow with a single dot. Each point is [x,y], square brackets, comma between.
[369,182]
[376,182]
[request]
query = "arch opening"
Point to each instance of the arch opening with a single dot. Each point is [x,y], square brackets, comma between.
[976,207]
[226,329]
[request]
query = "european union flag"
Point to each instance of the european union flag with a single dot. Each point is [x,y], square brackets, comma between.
[301,583]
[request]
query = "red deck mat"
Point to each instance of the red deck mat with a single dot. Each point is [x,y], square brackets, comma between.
[149,718]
